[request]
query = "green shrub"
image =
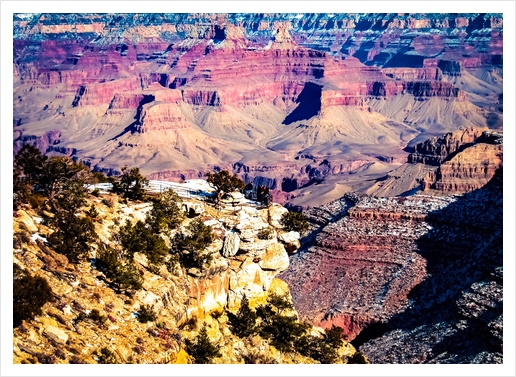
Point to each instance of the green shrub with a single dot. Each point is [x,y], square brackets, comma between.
[73,235]
[294,221]
[107,357]
[166,213]
[280,303]
[283,331]
[140,238]
[131,184]
[318,348]
[145,314]
[29,295]
[125,276]
[191,245]
[266,234]
[244,322]
[97,317]
[92,213]
[96,192]
[202,350]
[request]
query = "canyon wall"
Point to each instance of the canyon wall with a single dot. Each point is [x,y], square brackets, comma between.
[230,90]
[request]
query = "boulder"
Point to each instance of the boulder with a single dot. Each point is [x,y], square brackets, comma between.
[275,258]
[27,220]
[231,245]
[290,241]
[55,334]
[276,211]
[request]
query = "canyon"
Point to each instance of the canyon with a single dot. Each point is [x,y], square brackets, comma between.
[284,100]
[384,130]
[410,278]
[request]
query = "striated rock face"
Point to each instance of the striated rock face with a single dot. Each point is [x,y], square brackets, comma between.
[362,267]
[455,315]
[414,279]
[176,94]
[467,159]
[469,170]
[438,149]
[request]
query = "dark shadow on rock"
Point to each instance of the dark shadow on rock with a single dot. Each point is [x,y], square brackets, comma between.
[309,101]
[464,246]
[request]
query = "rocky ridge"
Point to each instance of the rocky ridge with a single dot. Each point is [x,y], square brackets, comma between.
[181,299]
[414,279]
[467,159]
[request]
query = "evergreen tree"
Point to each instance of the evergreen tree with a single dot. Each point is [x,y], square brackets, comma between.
[202,350]
[244,322]
[73,235]
[63,183]
[191,245]
[224,182]
[131,184]
[31,163]
[29,295]
[166,213]
[124,275]
[140,238]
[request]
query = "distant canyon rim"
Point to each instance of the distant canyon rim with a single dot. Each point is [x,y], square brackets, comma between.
[311,105]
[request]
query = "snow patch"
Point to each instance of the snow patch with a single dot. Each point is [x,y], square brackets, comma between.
[36,236]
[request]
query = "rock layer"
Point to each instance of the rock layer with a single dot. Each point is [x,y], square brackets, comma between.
[177,94]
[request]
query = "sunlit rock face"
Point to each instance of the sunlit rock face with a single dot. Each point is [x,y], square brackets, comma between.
[282,99]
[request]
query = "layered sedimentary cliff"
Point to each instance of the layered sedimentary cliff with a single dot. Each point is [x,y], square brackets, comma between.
[467,159]
[228,90]
[363,266]
[414,279]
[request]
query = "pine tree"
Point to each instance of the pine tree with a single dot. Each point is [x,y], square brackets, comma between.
[224,182]
[244,322]
[131,184]
[202,350]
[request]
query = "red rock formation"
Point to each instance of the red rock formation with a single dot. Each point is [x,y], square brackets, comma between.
[467,159]
[126,79]
[437,149]
[468,170]
[362,267]
[104,92]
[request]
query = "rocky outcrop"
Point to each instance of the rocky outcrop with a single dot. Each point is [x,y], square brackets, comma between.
[89,314]
[404,277]
[469,170]
[467,159]
[362,267]
[438,149]
[455,314]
